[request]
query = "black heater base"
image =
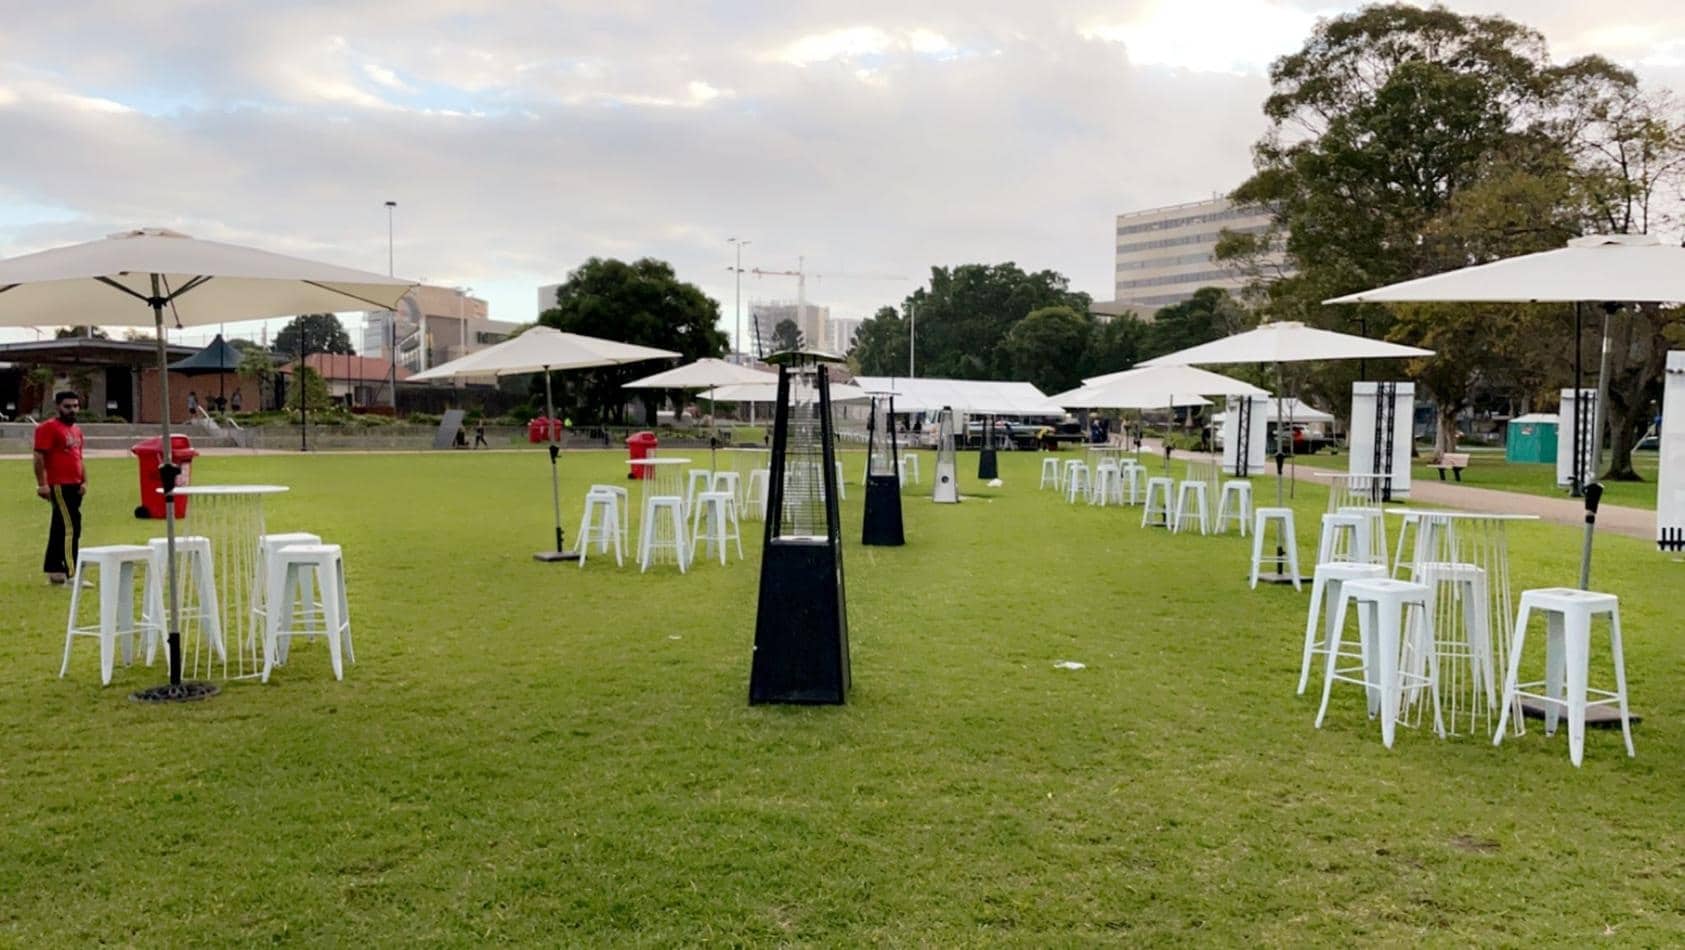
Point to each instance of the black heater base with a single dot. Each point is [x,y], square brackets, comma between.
[987,467]
[801,630]
[882,525]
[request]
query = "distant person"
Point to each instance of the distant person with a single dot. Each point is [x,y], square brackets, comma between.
[61,480]
[221,405]
[192,405]
[235,400]
[480,434]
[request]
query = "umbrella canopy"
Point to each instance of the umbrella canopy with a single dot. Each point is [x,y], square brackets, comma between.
[704,374]
[200,282]
[1287,342]
[218,357]
[543,349]
[1599,267]
[1174,378]
[132,277]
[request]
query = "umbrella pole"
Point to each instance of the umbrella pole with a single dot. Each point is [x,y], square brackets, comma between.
[555,477]
[173,640]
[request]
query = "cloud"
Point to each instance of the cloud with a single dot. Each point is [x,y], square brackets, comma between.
[519,138]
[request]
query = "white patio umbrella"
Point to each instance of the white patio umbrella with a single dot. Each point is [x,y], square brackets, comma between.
[544,350]
[705,373]
[1286,342]
[1152,387]
[1607,269]
[133,277]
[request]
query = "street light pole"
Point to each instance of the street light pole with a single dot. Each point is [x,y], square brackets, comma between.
[392,321]
[737,272]
[912,336]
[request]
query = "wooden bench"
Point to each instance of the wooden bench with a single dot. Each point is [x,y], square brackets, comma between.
[1455,461]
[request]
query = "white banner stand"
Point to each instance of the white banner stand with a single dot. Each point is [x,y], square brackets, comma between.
[1382,434]
[1246,435]
[1575,433]
[1670,488]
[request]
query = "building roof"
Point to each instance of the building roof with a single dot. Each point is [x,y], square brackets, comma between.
[347,368]
[218,357]
[976,396]
[78,350]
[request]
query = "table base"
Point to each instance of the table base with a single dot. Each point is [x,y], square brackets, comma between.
[1603,717]
[548,556]
[181,693]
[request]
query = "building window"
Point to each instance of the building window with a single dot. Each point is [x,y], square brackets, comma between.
[1196,277]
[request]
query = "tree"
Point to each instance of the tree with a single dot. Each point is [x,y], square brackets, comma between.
[1113,344]
[308,383]
[642,302]
[1406,141]
[1210,314]
[319,333]
[85,333]
[880,345]
[961,320]
[786,336]
[1046,348]
[257,368]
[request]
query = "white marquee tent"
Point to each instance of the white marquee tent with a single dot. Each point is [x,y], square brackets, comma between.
[972,396]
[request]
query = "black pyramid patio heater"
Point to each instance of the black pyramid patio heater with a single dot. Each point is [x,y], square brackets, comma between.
[987,466]
[801,624]
[882,524]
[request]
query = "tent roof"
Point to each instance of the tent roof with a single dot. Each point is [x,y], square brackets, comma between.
[1599,267]
[1174,378]
[975,396]
[768,392]
[1293,410]
[1114,397]
[217,357]
[702,374]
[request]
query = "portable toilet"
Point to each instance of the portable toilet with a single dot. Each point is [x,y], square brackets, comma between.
[1531,438]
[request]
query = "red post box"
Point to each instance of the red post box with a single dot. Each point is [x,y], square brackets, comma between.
[150,454]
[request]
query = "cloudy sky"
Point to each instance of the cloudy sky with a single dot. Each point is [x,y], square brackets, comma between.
[873,138]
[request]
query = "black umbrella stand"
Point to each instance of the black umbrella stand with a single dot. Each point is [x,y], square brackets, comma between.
[175,691]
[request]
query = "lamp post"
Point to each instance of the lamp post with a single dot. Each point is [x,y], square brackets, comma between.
[737,271]
[392,320]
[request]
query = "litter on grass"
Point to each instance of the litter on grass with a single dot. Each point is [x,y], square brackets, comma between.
[1070,665]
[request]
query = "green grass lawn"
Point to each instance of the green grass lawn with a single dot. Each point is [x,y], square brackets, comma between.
[1487,469]
[533,753]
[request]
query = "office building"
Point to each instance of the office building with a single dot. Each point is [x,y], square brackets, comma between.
[842,334]
[813,321]
[1163,255]
[434,325]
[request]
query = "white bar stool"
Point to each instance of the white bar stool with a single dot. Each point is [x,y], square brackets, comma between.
[117,619]
[287,568]
[1077,482]
[695,477]
[600,523]
[1344,539]
[267,545]
[731,482]
[1049,472]
[1288,559]
[1382,605]
[195,572]
[1108,485]
[842,483]
[1158,511]
[1568,614]
[1133,478]
[1326,585]
[1067,470]
[1186,492]
[910,463]
[714,522]
[662,529]
[623,510]
[1239,491]
[754,495]
[1375,529]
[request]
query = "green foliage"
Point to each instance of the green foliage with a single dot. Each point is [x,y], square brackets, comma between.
[258,368]
[1046,348]
[786,336]
[1114,344]
[85,333]
[307,383]
[963,317]
[880,345]
[1210,314]
[642,302]
[317,332]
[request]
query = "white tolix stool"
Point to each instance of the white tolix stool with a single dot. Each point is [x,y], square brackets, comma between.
[600,523]
[1191,494]
[286,571]
[713,522]
[1108,485]
[1568,614]
[118,621]
[267,546]
[1374,529]
[1288,558]
[842,483]
[1326,585]
[1391,617]
[755,493]
[194,572]
[1239,493]
[1160,507]
[623,511]
[1344,538]
[697,480]
[1077,483]
[1049,472]
[910,463]
[662,529]
[1133,479]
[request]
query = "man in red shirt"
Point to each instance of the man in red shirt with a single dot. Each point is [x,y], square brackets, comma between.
[60,479]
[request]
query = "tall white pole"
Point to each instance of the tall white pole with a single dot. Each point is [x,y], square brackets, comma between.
[912,336]
[392,321]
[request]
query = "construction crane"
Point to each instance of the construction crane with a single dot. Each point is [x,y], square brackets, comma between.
[801,275]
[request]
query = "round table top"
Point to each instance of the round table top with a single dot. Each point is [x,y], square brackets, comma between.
[1461,515]
[229,490]
[658,461]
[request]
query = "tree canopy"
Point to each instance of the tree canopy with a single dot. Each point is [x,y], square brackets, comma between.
[642,302]
[315,332]
[786,336]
